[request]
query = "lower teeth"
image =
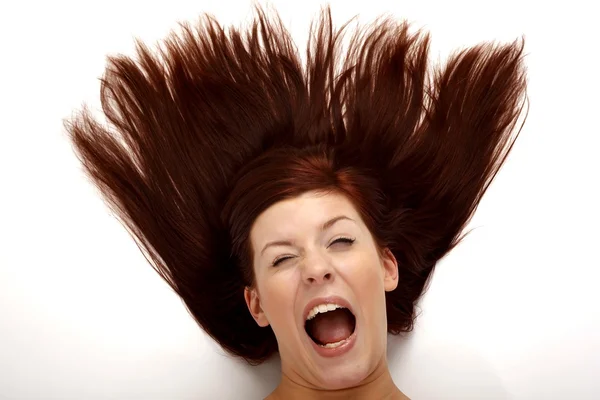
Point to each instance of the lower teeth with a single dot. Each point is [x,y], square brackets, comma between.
[333,345]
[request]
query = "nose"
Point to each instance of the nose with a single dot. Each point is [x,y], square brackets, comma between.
[317,270]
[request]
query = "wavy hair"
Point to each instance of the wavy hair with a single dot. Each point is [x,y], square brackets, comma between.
[218,124]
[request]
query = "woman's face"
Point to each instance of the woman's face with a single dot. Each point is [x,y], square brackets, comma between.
[331,267]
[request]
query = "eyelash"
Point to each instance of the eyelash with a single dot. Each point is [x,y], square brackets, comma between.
[341,240]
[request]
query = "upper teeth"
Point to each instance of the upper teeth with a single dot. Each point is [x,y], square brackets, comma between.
[322,308]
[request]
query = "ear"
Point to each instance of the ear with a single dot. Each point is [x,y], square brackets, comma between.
[253,303]
[390,270]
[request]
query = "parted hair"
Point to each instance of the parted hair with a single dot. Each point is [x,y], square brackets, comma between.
[214,125]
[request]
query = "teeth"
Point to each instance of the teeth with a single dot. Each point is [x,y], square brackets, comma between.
[334,345]
[322,308]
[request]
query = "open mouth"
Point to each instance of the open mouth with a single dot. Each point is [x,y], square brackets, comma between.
[330,325]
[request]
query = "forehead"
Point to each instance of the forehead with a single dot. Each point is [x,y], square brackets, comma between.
[307,211]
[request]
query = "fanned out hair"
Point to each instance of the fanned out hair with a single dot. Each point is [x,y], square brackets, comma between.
[219,124]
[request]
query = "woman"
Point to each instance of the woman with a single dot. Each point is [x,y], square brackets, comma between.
[301,210]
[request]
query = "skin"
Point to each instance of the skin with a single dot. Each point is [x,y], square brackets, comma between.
[318,267]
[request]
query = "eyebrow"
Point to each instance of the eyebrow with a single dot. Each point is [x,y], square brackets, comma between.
[324,227]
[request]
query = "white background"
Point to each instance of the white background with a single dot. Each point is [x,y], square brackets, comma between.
[513,313]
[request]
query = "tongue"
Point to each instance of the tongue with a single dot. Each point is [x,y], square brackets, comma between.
[331,327]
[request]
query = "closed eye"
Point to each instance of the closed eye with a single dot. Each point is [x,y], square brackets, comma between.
[344,240]
[339,240]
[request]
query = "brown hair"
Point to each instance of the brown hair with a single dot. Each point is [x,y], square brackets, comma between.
[221,124]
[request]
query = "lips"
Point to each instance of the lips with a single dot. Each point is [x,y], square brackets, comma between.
[325,300]
[340,348]
[336,351]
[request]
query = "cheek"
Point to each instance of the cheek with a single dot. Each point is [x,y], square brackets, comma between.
[277,299]
[365,277]
[365,273]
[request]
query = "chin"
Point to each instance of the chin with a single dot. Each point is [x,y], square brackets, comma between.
[350,368]
[344,376]
[341,361]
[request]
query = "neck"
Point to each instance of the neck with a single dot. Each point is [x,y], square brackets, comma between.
[378,385]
